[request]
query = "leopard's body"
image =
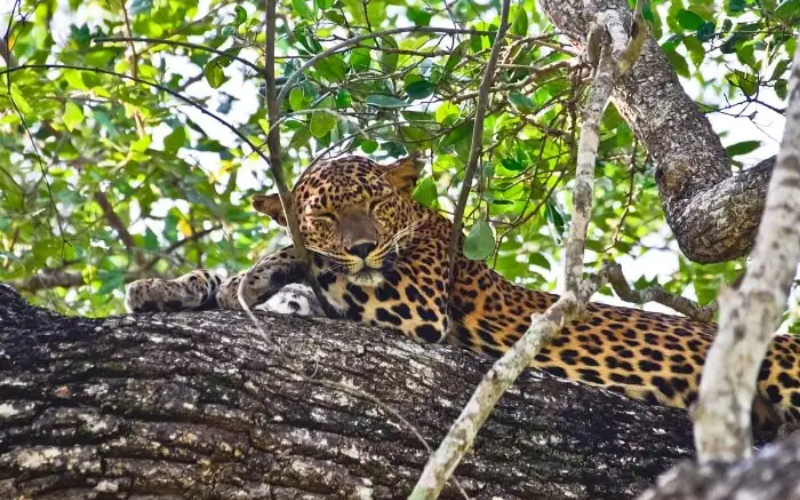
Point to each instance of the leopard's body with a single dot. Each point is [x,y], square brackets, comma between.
[381,258]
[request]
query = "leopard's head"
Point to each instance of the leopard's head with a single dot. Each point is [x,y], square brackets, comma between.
[355,212]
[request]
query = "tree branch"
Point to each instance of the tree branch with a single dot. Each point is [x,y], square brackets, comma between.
[508,368]
[476,146]
[713,214]
[116,223]
[750,314]
[658,294]
[198,405]
[276,168]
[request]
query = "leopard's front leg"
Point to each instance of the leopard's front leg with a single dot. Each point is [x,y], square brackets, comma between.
[194,290]
[262,281]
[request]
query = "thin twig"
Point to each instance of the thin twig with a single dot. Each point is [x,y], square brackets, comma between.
[659,294]
[368,36]
[116,223]
[159,41]
[443,462]
[505,371]
[276,168]
[476,146]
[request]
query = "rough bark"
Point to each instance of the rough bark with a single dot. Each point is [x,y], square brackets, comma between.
[196,405]
[772,475]
[713,214]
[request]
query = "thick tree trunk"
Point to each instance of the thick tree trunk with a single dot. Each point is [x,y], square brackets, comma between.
[772,475]
[197,405]
[713,214]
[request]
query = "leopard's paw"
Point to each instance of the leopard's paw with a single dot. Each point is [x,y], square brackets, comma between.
[190,291]
[295,299]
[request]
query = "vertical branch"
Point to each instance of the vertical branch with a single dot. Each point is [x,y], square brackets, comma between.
[505,371]
[750,315]
[599,93]
[133,59]
[477,138]
[275,166]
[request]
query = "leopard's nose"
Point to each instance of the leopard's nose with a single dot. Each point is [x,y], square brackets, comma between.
[361,250]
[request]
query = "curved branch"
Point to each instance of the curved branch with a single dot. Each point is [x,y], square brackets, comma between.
[713,214]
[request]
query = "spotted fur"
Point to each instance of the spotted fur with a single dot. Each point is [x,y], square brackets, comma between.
[381,259]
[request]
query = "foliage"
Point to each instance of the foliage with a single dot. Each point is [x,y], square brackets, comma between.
[111,179]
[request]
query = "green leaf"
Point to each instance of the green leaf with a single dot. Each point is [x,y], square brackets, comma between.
[781,88]
[369,146]
[343,99]
[111,281]
[679,63]
[419,16]
[300,7]
[689,20]
[519,26]
[322,122]
[420,89]
[150,240]
[175,140]
[706,32]
[332,68]
[23,105]
[735,6]
[73,115]
[555,219]
[480,241]
[520,101]
[385,101]
[241,15]
[787,10]
[360,59]
[213,70]
[540,260]
[297,99]
[425,192]
[741,148]
[388,60]
[455,57]
[301,137]
[462,132]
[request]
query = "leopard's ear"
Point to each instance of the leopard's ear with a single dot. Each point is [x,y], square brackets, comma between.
[270,205]
[403,174]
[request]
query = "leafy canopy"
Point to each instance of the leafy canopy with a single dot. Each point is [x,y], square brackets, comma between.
[107,176]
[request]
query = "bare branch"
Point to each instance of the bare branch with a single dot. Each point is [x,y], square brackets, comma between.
[505,371]
[276,168]
[750,315]
[477,141]
[657,293]
[176,43]
[116,223]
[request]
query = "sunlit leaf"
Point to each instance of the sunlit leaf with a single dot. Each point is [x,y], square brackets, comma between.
[479,243]
[73,115]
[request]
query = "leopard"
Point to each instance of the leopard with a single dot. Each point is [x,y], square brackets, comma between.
[382,258]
